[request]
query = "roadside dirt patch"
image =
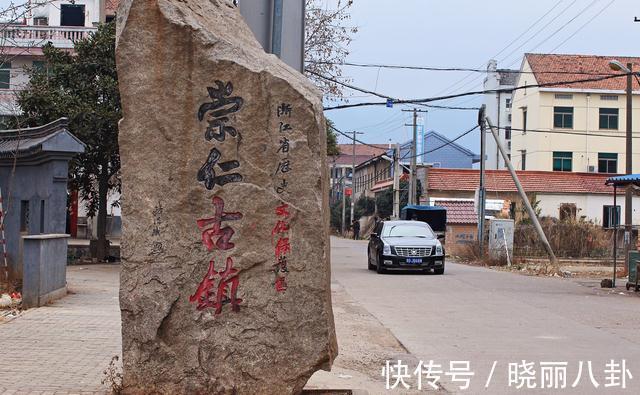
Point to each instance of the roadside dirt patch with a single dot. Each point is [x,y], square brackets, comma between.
[364,346]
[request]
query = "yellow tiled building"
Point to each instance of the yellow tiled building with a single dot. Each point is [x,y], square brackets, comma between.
[577,127]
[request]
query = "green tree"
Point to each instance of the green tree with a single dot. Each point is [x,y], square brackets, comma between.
[84,88]
[384,203]
[332,139]
[384,199]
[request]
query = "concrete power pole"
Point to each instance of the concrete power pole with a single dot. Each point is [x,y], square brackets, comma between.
[481,187]
[628,196]
[412,172]
[344,201]
[523,195]
[396,182]
[353,175]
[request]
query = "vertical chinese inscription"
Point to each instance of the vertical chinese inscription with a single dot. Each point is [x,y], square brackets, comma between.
[215,113]
[219,287]
[280,239]
[157,247]
[280,232]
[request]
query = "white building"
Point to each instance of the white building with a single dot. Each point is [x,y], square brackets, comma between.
[498,109]
[59,22]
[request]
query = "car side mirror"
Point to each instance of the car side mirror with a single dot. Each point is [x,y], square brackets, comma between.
[440,237]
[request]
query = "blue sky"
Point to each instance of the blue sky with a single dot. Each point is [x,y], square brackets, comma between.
[466,34]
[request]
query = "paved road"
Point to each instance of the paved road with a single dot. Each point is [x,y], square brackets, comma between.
[481,315]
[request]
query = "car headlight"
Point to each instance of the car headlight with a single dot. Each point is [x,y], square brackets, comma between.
[386,249]
[438,249]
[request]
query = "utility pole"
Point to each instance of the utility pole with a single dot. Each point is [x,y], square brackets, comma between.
[481,187]
[396,182]
[628,196]
[412,172]
[344,201]
[523,195]
[353,175]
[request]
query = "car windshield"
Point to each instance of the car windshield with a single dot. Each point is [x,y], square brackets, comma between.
[408,230]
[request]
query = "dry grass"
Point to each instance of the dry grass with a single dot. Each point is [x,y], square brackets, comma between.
[568,239]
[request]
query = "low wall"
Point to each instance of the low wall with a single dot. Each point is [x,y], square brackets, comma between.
[44,276]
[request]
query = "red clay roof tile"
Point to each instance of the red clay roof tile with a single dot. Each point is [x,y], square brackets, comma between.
[459,212]
[532,181]
[571,67]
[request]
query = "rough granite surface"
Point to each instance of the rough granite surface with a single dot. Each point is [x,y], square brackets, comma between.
[219,299]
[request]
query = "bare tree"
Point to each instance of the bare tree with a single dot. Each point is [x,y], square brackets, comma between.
[327,38]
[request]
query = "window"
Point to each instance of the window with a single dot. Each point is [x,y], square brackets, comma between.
[563,117]
[562,160]
[564,96]
[607,162]
[507,103]
[42,216]
[609,118]
[5,121]
[608,97]
[524,120]
[24,216]
[509,118]
[38,65]
[610,216]
[71,15]
[568,212]
[41,21]
[523,159]
[507,133]
[5,75]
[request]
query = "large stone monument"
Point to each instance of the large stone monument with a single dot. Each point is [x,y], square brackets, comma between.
[225,284]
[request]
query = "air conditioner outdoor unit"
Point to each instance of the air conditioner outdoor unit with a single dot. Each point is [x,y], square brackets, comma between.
[592,169]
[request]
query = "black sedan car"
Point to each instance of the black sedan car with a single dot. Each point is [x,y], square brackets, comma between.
[405,245]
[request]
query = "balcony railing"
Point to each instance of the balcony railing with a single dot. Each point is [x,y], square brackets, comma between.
[22,36]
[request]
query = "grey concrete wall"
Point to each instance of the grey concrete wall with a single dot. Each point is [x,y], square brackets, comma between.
[33,183]
[45,268]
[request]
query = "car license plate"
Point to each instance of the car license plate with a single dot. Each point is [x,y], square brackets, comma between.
[414,260]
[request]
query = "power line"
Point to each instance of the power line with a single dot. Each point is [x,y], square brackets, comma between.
[503,49]
[564,25]
[540,30]
[429,68]
[438,98]
[584,25]
[475,80]
[351,137]
[389,97]
[443,145]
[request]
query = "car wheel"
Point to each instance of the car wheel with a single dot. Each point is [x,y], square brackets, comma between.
[379,267]
[439,270]
[371,266]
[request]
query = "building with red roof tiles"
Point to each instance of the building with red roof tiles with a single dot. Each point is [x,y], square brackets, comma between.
[462,221]
[340,165]
[573,117]
[578,195]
